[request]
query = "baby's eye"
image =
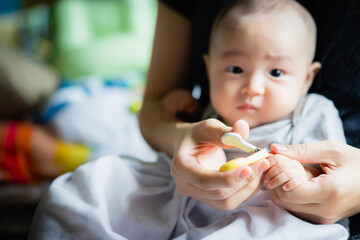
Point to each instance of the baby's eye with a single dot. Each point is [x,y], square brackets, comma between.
[235,69]
[276,72]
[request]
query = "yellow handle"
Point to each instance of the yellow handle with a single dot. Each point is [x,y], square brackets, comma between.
[237,162]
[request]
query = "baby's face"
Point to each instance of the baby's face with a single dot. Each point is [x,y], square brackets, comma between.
[258,70]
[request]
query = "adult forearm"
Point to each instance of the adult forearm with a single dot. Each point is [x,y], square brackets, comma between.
[159,132]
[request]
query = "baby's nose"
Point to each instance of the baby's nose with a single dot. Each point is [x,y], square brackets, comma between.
[254,86]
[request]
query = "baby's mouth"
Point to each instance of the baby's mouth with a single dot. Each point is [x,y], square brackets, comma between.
[247,108]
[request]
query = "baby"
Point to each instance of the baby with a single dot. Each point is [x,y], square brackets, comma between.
[260,68]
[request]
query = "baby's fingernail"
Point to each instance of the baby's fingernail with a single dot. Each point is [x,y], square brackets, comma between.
[262,167]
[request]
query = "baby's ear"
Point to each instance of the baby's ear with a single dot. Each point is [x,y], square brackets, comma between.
[314,68]
[206,61]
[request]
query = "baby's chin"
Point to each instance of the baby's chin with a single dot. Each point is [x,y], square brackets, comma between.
[254,124]
[251,122]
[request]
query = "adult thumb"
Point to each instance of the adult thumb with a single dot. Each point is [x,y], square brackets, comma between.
[241,127]
[211,130]
[317,152]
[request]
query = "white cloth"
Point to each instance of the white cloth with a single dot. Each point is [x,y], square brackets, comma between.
[97,114]
[114,198]
[125,198]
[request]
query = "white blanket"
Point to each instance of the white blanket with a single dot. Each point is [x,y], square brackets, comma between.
[96,113]
[124,198]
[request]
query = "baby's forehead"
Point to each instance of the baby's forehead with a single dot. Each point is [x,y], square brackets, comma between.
[237,13]
[237,16]
[282,22]
[290,16]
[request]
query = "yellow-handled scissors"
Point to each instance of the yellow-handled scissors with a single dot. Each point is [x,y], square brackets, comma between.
[235,140]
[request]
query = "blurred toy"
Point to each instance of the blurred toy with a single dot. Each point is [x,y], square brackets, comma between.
[102,37]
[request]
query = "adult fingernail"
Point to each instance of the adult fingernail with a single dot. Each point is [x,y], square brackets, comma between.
[281,147]
[244,174]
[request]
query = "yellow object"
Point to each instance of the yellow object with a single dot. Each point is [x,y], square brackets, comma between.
[135,106]
[70,156]
[237,162]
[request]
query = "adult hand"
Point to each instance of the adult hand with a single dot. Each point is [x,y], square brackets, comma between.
[330,196]
[196,162]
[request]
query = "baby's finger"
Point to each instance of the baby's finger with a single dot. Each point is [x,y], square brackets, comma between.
[192,108]
[184,105]
[271,173]
[294,182]
[281,164]
[170,114]
[278,180]
[274,170]
[285,176]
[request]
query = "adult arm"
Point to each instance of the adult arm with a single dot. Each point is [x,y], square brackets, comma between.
[195,147]
[168,71]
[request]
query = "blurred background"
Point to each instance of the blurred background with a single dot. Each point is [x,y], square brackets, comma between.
[58,54]
[81,37]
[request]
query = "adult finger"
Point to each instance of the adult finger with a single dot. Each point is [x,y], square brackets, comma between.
[303,208]
[314,212]
[211,131]
[240,196]
[208,179]
[319,152]
[241,127]
[235,178]
[243,191]
[219,194]
[308,192]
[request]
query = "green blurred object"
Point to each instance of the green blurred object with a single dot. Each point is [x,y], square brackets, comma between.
[102,37]
[135,106]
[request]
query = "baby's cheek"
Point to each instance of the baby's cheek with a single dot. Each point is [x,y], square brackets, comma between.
[281,101]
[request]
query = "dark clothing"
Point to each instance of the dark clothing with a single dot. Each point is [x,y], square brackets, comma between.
[338,50]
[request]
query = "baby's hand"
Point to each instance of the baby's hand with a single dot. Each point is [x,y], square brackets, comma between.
[284,172]
[179,102]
